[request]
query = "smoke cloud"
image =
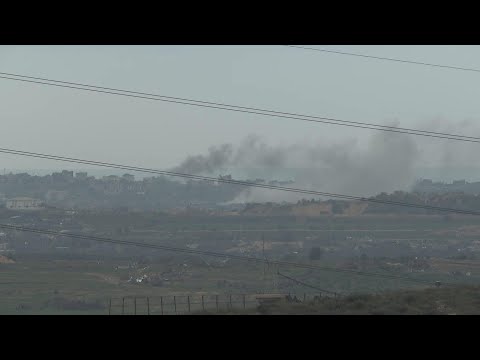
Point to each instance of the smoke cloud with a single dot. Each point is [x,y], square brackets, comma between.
[385,164]
[217,159]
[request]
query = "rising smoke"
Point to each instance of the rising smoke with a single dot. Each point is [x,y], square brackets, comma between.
[217,159]
[386,164]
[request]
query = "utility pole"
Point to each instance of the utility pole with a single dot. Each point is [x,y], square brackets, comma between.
[263,256]
[275,280]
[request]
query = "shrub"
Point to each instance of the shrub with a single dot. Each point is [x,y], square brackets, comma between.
[315,253]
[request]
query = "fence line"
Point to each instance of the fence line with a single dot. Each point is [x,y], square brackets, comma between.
[188,304]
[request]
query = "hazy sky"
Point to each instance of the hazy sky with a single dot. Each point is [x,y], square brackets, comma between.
[156,134]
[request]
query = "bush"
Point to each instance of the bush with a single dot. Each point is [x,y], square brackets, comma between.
[409,299]
[315,253]
[74,304]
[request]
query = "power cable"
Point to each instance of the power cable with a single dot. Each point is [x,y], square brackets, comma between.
[383,58]
[234,182]
[242,109]
[305,284]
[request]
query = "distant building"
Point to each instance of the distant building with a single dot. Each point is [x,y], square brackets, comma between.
[112,185]
[128,177]
[426,182]
[23,203]
[111,178]
[64,176]
[148,180]
[81,175]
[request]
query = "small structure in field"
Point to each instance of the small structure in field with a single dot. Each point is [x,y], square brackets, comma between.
[271,299]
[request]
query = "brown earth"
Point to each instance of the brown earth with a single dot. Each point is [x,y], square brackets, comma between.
[5,260]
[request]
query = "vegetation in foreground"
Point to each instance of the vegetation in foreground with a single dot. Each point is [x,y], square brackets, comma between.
[459,300]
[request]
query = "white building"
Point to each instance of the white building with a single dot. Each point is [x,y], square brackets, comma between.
[23,203]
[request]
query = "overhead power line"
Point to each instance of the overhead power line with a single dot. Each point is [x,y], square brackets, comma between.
[236,108]
[233,182]
[384,58]
[305,284]
[208,253]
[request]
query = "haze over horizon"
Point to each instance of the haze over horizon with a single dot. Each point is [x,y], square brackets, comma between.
[154,134]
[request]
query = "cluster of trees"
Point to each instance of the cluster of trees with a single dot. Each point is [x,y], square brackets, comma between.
[455,200]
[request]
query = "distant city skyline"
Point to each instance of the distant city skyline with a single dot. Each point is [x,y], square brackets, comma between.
[436,174]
